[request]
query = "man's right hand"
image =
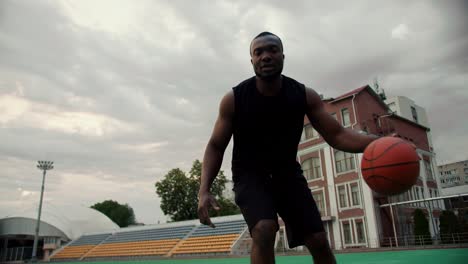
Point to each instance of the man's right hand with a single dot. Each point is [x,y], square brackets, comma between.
[205,201]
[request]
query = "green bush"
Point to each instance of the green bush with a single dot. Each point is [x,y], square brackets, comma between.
[421,228]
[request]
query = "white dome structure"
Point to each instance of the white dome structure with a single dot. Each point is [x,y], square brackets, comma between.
[67,222]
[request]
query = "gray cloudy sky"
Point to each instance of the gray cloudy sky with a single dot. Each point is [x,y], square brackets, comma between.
[119,92]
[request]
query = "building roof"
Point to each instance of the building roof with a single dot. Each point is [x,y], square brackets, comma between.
[378,99]
[394,115]
[358,91]
[350,93]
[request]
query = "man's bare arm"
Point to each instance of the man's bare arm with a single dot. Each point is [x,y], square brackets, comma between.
[334,133]
[213,157]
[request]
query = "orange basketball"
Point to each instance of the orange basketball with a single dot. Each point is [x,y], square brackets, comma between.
[390,165]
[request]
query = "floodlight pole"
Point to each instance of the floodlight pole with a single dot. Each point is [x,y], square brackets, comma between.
[44,166]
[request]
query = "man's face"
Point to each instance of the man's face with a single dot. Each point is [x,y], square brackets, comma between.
[267,57]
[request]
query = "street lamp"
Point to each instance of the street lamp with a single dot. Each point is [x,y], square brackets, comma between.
[44,166]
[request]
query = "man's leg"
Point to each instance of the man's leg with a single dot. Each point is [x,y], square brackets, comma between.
[263,242]
[304,226]
[319,247]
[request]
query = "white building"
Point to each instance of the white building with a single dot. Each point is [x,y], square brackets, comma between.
[59,224]
[454,174]
[407,108]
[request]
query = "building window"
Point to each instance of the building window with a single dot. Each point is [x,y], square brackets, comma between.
[347,233]
[344,161]
[282,241]
[345,116]
[430,196]
[361,238]
[334,116]
[327,230]
[311,168]
[349,195]
[355,194]
[398,198]
[319,201]
[428,167]
[414,113]
[309,132]
[343,196]
[354,231]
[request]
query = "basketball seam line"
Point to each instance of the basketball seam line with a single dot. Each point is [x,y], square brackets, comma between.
[389,148]
[390,180]
[391,165]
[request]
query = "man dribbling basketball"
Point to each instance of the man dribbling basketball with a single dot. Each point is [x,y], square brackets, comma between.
[265,114]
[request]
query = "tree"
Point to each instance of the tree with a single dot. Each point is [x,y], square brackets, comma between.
[448,225]
[462,216]
[219,184]
[227,208]
[179,194]
[421,226]
[121,214]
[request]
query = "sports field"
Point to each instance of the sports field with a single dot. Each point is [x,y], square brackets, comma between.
[428,256]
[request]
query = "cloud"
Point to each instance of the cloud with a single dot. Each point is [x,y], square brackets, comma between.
[25,193]
[400,32]
[17,111]
[182,101]
[144,148]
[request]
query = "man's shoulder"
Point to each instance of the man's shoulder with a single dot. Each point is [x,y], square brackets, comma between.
[246,82]
[244,86]
[292,80]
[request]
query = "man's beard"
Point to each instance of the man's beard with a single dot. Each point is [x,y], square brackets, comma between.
[269,76]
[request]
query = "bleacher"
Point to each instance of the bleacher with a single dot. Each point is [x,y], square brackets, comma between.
[146,242]
[81,246]
[171,239]
[207,240]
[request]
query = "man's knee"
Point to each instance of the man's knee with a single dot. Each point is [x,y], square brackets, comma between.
[317,241]
[264,231]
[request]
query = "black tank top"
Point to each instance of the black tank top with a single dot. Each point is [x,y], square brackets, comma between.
[267,129]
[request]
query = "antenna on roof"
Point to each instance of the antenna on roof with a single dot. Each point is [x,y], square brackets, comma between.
[376,85]
[381,94]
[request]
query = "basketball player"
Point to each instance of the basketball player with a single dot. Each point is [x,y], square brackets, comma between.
[265,114]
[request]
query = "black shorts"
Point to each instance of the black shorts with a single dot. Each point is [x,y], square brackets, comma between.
[262,195]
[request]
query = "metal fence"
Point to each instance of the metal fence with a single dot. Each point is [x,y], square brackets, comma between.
[455,239]
[388,243]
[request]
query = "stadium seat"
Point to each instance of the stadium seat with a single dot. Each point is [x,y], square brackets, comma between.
[156,241]
[206,244]
[136,248]
[81,246]
[143,242]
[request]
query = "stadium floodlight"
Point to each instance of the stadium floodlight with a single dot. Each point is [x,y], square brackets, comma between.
[44,166]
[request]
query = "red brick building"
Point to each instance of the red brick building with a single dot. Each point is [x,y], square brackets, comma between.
[349,208]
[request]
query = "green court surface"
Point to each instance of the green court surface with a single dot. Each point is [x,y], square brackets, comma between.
[428,256]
